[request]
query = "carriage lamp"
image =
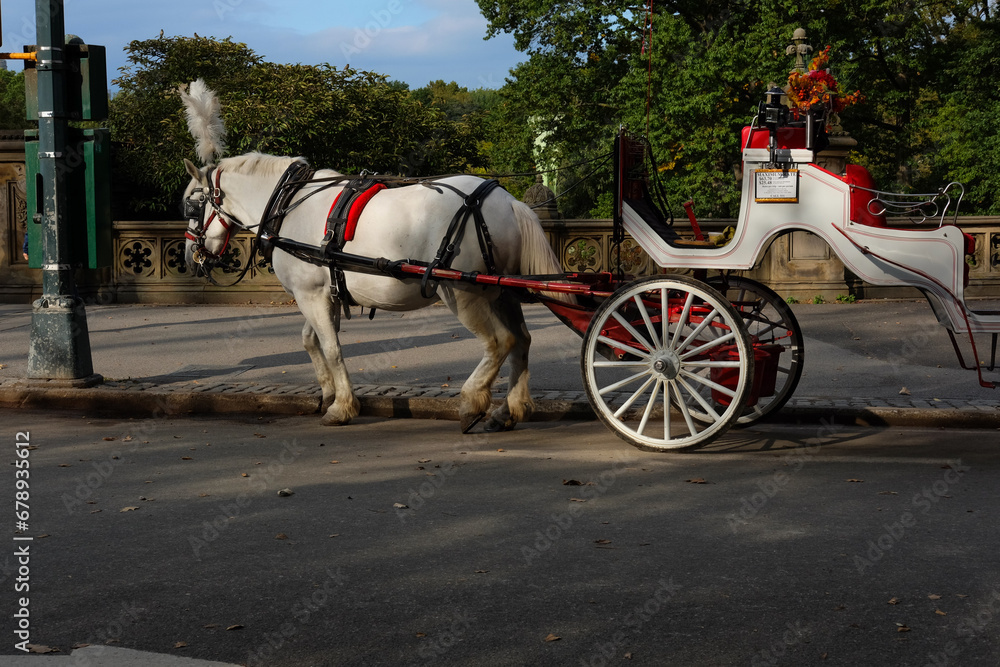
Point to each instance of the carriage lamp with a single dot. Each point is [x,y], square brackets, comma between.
[774,112]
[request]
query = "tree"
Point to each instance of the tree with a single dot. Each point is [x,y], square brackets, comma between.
[693,80]
[347,119]
[12,107]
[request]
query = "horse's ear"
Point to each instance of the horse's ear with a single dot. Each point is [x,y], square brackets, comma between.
[194,171]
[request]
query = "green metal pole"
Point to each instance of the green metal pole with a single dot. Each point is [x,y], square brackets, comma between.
[60,341]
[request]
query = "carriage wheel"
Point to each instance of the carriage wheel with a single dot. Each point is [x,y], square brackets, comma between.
[768,319]
[661,350]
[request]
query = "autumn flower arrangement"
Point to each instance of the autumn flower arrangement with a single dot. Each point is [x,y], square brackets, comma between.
[818,88]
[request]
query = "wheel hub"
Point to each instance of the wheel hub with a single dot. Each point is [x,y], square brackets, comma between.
[665,365]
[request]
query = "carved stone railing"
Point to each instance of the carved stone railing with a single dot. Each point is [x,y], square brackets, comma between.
[149,265]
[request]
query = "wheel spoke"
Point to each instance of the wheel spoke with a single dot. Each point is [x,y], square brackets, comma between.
[632,399]
[697,332]
[645,317]
[622,346]
[683,407]
[632,330]
[649,408]
[621,383]
[712,364]
[709,345]
[685,313]
[709,383]
[706,406]
[604,363]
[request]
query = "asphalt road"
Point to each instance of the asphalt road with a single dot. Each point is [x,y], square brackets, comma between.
[554,544]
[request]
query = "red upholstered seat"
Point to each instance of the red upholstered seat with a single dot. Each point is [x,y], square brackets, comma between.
[862,183]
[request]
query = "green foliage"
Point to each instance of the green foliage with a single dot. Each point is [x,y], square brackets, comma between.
[846,298]
[930,114]
[347,119]
[791,300]
[12,107]
[818,299]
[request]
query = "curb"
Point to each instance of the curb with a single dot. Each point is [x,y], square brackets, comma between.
[138,399]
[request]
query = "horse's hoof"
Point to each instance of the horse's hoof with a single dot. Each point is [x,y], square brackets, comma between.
[497,425]
[325,405]
[468,422]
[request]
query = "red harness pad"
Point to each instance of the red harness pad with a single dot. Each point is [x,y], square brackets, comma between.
[357,206]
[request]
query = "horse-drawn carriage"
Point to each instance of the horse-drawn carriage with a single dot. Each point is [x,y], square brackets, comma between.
[668,361]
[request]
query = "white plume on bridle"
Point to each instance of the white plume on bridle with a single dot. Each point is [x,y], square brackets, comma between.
[204,117]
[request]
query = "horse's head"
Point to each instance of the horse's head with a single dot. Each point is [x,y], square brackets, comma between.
[208,229]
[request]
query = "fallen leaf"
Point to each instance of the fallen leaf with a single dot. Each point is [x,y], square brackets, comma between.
[259,435]
[400,506]
[180,644]
[65,465]
[940,613]
[933,596]
[421,635]
[904,391]
[894,601]
[284,493]
[572,482]
[552,638]
[854,480]
[961,595]
[423,460]
[501,450]
[186,458]
[40,648]
[203,495]
[129,509]
[888,493]
[110,438]
[482,571]
[902,628]
[76,646]
[211,626]
[335,462]
[281,536]
[697,480]
[244,475]
[602,541]
[237,626]
[335,535]
[578,500]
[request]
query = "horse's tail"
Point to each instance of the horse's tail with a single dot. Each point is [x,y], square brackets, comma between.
[537,256]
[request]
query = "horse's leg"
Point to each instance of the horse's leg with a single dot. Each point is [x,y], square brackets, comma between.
[476,312]
[322,342]
[519,404]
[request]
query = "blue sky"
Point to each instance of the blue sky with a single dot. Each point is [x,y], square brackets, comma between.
[415,41]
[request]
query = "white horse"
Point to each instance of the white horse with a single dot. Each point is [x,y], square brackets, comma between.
[398,223]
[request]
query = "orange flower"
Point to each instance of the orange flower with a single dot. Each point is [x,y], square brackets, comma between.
[818,87]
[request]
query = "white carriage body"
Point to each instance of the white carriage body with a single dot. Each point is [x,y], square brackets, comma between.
[932,259]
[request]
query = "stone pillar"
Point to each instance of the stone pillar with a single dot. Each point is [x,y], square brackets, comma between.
[542,200]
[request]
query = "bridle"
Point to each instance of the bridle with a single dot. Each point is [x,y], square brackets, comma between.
[195,205]
[279,205]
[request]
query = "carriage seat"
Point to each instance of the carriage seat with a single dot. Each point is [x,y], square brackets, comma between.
[652,216]
[862,183]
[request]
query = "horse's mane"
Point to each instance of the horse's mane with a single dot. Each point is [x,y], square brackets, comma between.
[258,164]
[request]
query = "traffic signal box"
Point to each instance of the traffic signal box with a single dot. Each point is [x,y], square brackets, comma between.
[87,159]
[88,166]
